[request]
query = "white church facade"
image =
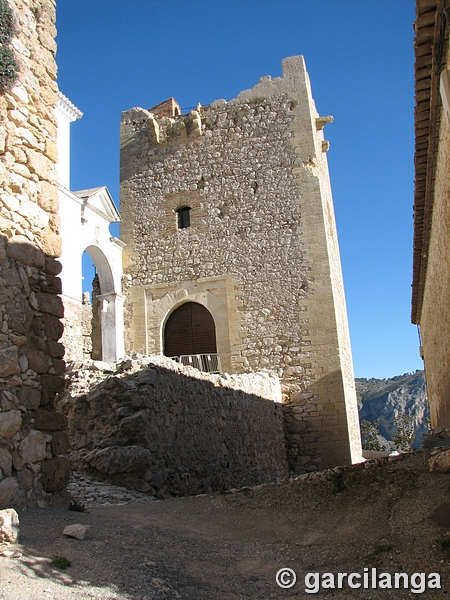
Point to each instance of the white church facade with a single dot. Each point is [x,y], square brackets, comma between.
[85,219]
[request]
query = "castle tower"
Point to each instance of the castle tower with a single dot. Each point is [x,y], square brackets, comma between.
[231,250]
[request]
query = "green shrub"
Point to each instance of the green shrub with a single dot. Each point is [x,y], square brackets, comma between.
[9,68]
[7,22]
[61,562]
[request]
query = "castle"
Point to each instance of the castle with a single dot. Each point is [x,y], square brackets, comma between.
[231,253]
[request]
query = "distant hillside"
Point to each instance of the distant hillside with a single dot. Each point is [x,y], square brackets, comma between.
[388,398]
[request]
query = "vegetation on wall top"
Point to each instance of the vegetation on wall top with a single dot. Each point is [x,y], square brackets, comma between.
[9,67]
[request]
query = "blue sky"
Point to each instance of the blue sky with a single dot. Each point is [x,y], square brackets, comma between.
[115,55]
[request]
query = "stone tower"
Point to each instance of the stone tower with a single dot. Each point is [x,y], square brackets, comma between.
[227,213]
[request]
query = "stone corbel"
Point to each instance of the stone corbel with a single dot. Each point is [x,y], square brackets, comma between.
[322,121]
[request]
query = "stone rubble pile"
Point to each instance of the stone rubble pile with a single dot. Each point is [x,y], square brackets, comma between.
[87,492]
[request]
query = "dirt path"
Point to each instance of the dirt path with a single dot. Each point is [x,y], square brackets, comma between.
[230,546]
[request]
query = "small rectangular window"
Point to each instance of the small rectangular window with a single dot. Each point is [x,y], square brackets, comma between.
[184,217]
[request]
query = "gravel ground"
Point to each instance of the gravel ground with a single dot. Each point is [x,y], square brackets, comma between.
[230,546]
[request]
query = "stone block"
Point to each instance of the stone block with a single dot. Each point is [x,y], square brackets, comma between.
[47,420]
[20,314]
[55,474]
[53,383]
[48,197]
[76,531]
[50,304]
[440,463]
[29,397]
[9,526]
[8,489]
[9,361]
[32,449]
[52,266]
[10,423]
[37,360]
[59,366]
[34,214]
[51,243]
[53,328]
[40,164]
[5,462]
[55,349]
[60,443]
[51,150]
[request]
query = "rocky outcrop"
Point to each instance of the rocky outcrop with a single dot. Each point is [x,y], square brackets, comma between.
[166,429]
[387,399]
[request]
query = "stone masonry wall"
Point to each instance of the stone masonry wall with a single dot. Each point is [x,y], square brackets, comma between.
[162,428]
[32,470]
[435,322]
[261,252]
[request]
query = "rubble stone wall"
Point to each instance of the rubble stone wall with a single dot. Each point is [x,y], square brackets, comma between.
[435,322]
[260,254]
[32,438]
[168,429]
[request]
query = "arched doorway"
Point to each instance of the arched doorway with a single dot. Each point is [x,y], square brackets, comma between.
[85,220]
[190,337]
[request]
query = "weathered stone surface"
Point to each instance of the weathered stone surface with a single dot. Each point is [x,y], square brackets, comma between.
[119,459]
[8,489]
[5,462]
[32,448]
[77,531]
[440,463]
[167,429]
[48,197]
[50,304]
[9,361]
[55,349]
[60,443]
[37,360]
[20,248]
[28,286]
[48,420]
[19,311]
[38,163]
[29,397]
[53,383]
[52,266]
[10,423]
[51,243]
[9,526]
[53,328]
[55,473]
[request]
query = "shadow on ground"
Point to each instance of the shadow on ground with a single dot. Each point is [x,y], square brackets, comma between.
[230,546]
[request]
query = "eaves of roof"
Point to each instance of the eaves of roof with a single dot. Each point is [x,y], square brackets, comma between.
[430,47]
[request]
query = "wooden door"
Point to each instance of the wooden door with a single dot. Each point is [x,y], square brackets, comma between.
[190,329]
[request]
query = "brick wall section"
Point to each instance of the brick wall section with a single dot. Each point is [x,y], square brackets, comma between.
[168,429]
[261,253]
[32,472]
